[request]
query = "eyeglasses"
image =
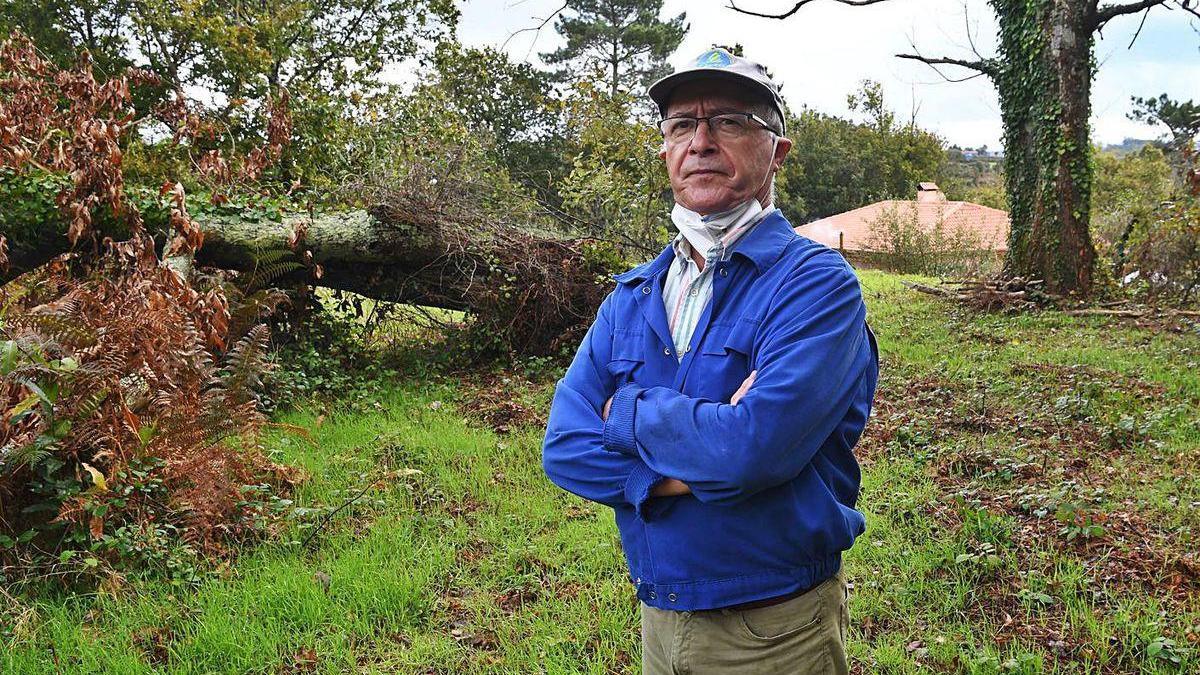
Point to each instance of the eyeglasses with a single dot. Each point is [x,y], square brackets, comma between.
[726,126]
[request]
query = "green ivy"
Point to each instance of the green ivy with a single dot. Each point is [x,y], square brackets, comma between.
[1040,143]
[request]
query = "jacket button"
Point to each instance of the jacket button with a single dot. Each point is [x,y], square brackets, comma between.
[724,271]
[638,580]
[653,595]
[645,290]
[667,351]
[672,597]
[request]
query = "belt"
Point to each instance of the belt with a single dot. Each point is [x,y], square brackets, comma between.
[768,602]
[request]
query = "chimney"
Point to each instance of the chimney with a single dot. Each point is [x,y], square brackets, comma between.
[929,193]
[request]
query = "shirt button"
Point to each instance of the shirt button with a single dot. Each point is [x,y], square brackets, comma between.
[695,292]
[672,597]
[645,290]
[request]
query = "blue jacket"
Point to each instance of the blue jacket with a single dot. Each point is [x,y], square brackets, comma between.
[774,480]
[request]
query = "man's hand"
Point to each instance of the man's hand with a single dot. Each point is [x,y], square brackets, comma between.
[737,395]
[672,487]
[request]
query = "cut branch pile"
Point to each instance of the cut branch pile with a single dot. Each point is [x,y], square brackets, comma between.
[1000,294]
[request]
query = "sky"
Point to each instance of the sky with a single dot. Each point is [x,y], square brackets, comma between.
[823,52]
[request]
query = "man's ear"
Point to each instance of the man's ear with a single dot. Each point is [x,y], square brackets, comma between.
[782,147]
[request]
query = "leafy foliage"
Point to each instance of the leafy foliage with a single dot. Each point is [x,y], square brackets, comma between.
[1127,192]
[244,56]
[837,165]
[131,414]
[617,184]
[1182,118]
[624,38]
[901,243]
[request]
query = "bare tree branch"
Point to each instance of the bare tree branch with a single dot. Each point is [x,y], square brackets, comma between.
[970,37]
[1110,12]
[981,67]
[1141,25]
[795,8]
[536,29]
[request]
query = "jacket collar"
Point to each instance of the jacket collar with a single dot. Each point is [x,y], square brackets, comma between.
[762,246]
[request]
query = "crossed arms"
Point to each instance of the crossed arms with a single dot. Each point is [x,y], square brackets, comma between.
[655,441]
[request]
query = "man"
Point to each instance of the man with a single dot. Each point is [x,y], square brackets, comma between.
[715,402]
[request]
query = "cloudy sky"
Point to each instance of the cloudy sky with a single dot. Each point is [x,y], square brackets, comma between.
[823,52]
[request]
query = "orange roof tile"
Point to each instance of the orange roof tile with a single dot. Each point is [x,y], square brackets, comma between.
[855,228]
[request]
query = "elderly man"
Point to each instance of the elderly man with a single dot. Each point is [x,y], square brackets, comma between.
[715,402]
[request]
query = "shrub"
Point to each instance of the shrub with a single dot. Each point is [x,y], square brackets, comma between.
[1165,253]
[899,242]
[1165,250]
[130,418]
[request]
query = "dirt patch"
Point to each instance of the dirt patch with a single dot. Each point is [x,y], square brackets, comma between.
[495,401]
[154,643]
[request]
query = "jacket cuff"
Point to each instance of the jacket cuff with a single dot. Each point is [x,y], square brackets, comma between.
[618,428]
[638,486]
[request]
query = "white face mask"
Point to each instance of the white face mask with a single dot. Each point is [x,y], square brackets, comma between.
[704,232]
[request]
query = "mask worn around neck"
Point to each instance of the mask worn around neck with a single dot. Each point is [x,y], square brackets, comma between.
[704,232]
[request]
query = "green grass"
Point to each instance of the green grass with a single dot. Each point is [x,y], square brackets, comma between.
[462,558]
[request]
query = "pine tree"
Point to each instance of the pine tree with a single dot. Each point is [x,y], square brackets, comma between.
[624,37]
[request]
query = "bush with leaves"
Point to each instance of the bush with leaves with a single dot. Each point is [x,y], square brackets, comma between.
[900,242]
[1164,247]
[130,416]
[617,184]
[129,392]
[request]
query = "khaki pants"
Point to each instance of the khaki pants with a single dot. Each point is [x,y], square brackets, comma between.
[806,634]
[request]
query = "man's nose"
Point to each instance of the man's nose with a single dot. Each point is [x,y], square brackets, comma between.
[702,141]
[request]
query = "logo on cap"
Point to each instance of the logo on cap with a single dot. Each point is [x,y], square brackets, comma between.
[714,58]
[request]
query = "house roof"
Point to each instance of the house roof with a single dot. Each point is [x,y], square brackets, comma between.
[855,227]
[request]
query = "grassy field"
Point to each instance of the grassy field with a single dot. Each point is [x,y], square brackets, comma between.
[1031,487]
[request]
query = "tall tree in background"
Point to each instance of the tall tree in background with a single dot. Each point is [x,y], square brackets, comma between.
[838,165]
[245,53]
[1181,118]
[1043,74]
[624,37]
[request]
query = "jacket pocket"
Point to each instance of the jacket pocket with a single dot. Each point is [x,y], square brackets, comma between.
[737,337]
[628,355]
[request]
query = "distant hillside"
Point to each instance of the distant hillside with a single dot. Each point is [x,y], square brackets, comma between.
[1127,146]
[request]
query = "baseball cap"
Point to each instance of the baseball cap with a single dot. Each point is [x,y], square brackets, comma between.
[718,63]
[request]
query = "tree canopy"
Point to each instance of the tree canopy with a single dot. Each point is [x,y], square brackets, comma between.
[624,38]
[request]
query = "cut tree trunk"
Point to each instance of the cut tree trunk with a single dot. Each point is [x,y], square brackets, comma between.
[356,251]
[1044,82]
[529,293]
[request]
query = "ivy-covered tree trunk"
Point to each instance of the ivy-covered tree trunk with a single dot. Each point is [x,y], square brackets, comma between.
[1044,80]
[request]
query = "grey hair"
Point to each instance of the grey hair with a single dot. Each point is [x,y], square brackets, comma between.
[769,114]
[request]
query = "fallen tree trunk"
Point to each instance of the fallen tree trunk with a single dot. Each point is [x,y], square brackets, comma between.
[529,292]
[355,251]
